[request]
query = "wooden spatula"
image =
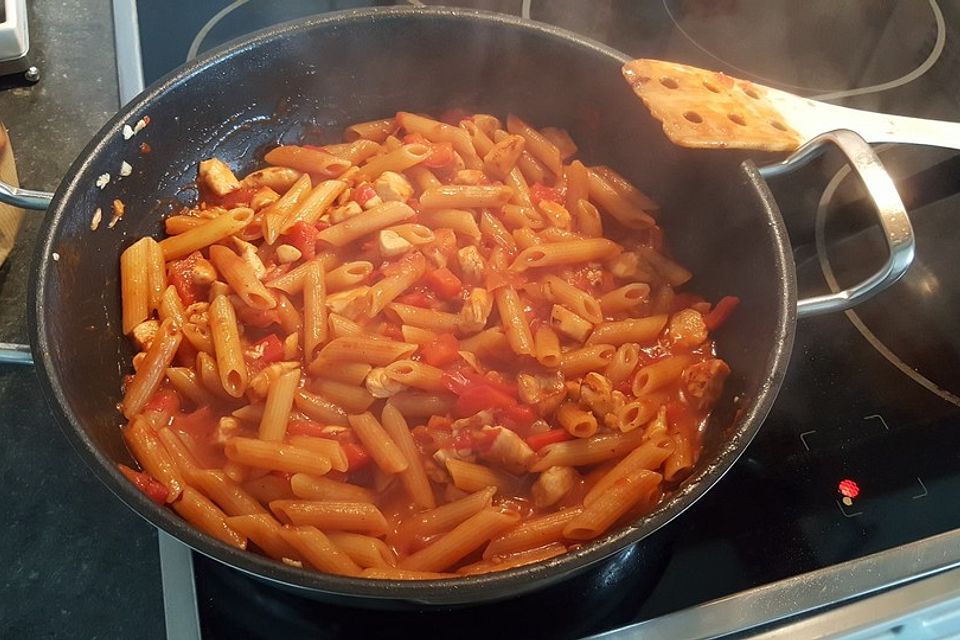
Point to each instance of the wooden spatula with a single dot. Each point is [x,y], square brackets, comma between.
[710,110]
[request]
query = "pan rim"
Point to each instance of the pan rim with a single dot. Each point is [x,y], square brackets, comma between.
[454,591]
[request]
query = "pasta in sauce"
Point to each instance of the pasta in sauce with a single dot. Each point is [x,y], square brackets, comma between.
[438,348]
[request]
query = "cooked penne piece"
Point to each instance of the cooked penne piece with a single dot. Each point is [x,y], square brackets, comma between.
[435,131]
[356,151]
[150,374]
[276,411]
[367,551]
[134,283]
[324,489]
[625,299]
[635,488]
[464,539]
[580,361]
[392,573]
[203,514]
[241,278]
[659,374]
[409,270]
[376,130]
[350,397]
[577,300]
[514,321]
[265,532]
[314,312]
[624,363]
[568,252]
[416,335]
[539,146]
[309,210]
[349,372]
[519,559]
[225,493]
[153,457]
[414,478]
[531,534]
[619,208]
[569,323]
[674,274]
[486,343]
[547,347]
[447,516]
[171,307]
[580,452]
[381,447]
[314,546]
[275,456]
[460,220]
[460,196]
[378,352]
[379,217]
[502,157]
[587,219]
[469,476]
[681,460]
[623,186]
[226,340]
[417,375]
[398,160]
[187,384]
[421,405]
[630,330]
[308,160]
[650,456]
[223,226]
[577,422]
[319,408]
[437,321]
[337,516]
[633,415]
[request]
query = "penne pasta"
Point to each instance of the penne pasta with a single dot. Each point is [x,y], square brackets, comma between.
[215,230]
[568,252]
[631,330]
[381,447]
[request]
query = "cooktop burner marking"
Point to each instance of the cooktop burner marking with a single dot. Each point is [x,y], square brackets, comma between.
[852,316]
[925,66]
[922,486]
[211,23]
[803,439]
[880,418]
[844,511]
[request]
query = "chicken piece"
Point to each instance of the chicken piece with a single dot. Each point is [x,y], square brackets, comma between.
[352,303]
[249,254]
[596,394]
[475,311]
[508,451]
[203,272]
[392,244]
[345,212]
[630,266]
[471,264]
[381,386]
[217,176]
[442,455]
[479,419]
[703,382]
[226,428]
[543,390]
[393,187]
[552,485]
[686,329]
[287,253]
[469,177]
[144,333]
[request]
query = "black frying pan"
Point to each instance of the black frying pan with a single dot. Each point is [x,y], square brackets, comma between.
[311,77]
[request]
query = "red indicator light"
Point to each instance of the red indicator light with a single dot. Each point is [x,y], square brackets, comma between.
[848,489]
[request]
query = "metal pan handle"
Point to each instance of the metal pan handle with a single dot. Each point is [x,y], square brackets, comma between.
[890,210]
[13,353]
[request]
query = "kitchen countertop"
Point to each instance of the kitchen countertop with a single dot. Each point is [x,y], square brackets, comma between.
[74,562]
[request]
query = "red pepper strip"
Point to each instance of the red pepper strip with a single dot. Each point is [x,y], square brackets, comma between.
[149,485]
[237,197]
[363,192]
[538,441]
[164,401]
[523,415]
[272,349]
[303,236]
[442,351]
[306,428]
[480,397]
[720,312]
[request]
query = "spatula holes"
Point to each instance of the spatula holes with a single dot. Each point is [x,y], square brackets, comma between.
[669,83]
[776,124]
[693,117]
[711,87]
[750,91]
[736,118]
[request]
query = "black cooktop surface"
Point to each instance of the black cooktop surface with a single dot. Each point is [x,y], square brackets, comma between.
[862,450]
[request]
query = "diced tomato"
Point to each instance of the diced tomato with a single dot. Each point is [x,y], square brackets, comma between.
[270,349]
[149,485]
[538,441]
[440,423]
[306,428]
[237,197]
[522,415]
[421,299]
[441,351]
[441,155]
[480,397]
[303,236]
[357,456]
[444,283]
[198,424]
[180,273]
[540,192]
[393,331]
[719,314]
[363,192]
[164,401]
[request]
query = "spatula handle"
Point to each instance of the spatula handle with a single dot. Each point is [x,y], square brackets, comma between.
[890,210]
